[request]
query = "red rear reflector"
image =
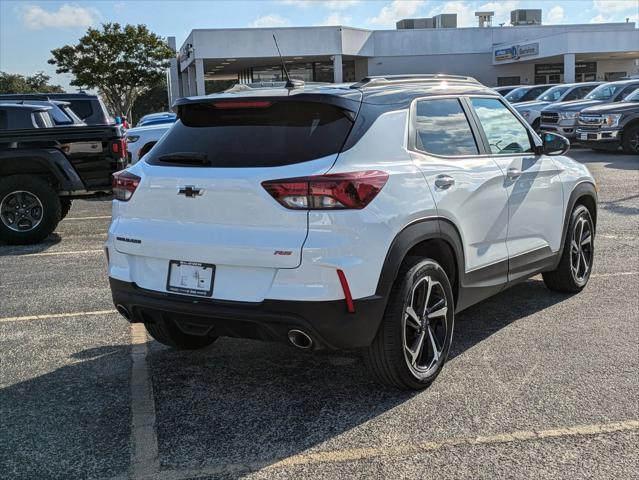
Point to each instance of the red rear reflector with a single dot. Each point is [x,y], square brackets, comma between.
[336,191]
[350,306]
[124,184]
[246,104]
[119,148]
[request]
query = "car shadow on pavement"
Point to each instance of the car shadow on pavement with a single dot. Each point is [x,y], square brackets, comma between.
[249,403]
[52,240]
[238,403]
[616,160]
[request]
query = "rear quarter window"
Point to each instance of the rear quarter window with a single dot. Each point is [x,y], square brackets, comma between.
[280,133]
[82,108]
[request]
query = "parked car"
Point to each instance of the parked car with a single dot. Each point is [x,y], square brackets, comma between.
[503,91]
[60,112]
[610,126]
[531,110]
[43,166]
[562,118]
[141,139]
[527,93]
[345,217]
[89,108]
[156,118]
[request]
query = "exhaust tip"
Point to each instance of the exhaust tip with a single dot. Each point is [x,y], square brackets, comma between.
[300,339]
[123,311]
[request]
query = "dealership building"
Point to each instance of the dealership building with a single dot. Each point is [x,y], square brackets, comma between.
[524,52]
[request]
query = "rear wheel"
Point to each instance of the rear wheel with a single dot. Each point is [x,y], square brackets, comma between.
[168,333]
[413,341]
[65,206]
[575,266]
[631,140]
[29,209]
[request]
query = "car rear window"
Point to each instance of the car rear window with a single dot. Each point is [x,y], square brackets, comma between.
[82,108]
[253,133]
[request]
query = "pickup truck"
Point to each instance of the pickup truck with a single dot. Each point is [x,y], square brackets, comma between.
[562,117]
[608,127]
[44,166]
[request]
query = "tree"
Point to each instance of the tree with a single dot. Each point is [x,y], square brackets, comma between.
[155,99]
[38,83]
[120,62]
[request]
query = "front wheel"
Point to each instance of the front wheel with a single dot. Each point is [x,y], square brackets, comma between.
[631,140]
[414,338]
[575,266]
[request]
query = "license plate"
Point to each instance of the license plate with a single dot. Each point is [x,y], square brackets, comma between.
[191,278]
[583,136]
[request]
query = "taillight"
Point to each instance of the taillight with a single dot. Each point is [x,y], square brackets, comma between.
[123,184]
[119,148]
[336,191]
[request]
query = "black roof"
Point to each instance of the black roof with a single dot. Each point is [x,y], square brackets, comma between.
[384,90]
[46,96]
[27,107]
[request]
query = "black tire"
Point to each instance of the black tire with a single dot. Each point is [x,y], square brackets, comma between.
[169,334]
[65,206]
[630,141]
[387,358]
[565,278]
[46,200]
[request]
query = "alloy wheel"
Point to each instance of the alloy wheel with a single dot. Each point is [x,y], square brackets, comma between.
[634,141]
[581,250]
[424,326]
[21,211]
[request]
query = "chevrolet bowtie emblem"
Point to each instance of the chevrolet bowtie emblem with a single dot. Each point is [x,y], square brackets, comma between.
[190,191]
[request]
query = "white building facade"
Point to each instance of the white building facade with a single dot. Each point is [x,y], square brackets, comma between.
[212,58]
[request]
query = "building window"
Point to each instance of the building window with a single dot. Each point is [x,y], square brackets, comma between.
[505,81]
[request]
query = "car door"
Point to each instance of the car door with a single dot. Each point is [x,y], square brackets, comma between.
[467,187]
[532,182]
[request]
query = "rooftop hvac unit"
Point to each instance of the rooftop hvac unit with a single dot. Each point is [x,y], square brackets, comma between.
[525,17]
[443,20]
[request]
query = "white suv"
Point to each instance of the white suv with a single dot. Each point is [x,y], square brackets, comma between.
[361,216]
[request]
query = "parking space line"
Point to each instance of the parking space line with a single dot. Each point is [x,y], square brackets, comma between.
[56,315]
[366,453]
[613,274]
[99,217]
[144,443]
[48,254]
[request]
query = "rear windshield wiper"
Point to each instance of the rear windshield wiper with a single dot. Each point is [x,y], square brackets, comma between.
[187,158]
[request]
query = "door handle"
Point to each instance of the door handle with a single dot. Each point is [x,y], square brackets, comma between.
[444,181]
[513,173]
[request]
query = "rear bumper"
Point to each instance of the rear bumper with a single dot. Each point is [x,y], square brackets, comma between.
[328,323]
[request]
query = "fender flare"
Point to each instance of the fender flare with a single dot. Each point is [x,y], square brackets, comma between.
[52,161]
[429,228]
[585,188]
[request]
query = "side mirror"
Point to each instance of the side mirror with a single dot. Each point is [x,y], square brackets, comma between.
[554,144]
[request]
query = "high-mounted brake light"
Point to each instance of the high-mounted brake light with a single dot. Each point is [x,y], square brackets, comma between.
[123,184]
[336,191]
[243,104]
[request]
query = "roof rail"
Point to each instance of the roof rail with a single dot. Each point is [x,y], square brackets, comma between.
[379,80]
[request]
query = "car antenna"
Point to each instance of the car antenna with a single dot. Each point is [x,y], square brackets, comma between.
[289,83]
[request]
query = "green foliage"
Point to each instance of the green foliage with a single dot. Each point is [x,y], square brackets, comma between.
[155,99]
[120,62]
[38,83]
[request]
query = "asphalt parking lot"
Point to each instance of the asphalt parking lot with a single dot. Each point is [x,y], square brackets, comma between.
[539,384]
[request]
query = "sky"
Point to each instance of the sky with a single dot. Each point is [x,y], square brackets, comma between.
[30,29]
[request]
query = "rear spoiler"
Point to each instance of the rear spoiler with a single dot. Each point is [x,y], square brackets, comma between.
[347,100]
